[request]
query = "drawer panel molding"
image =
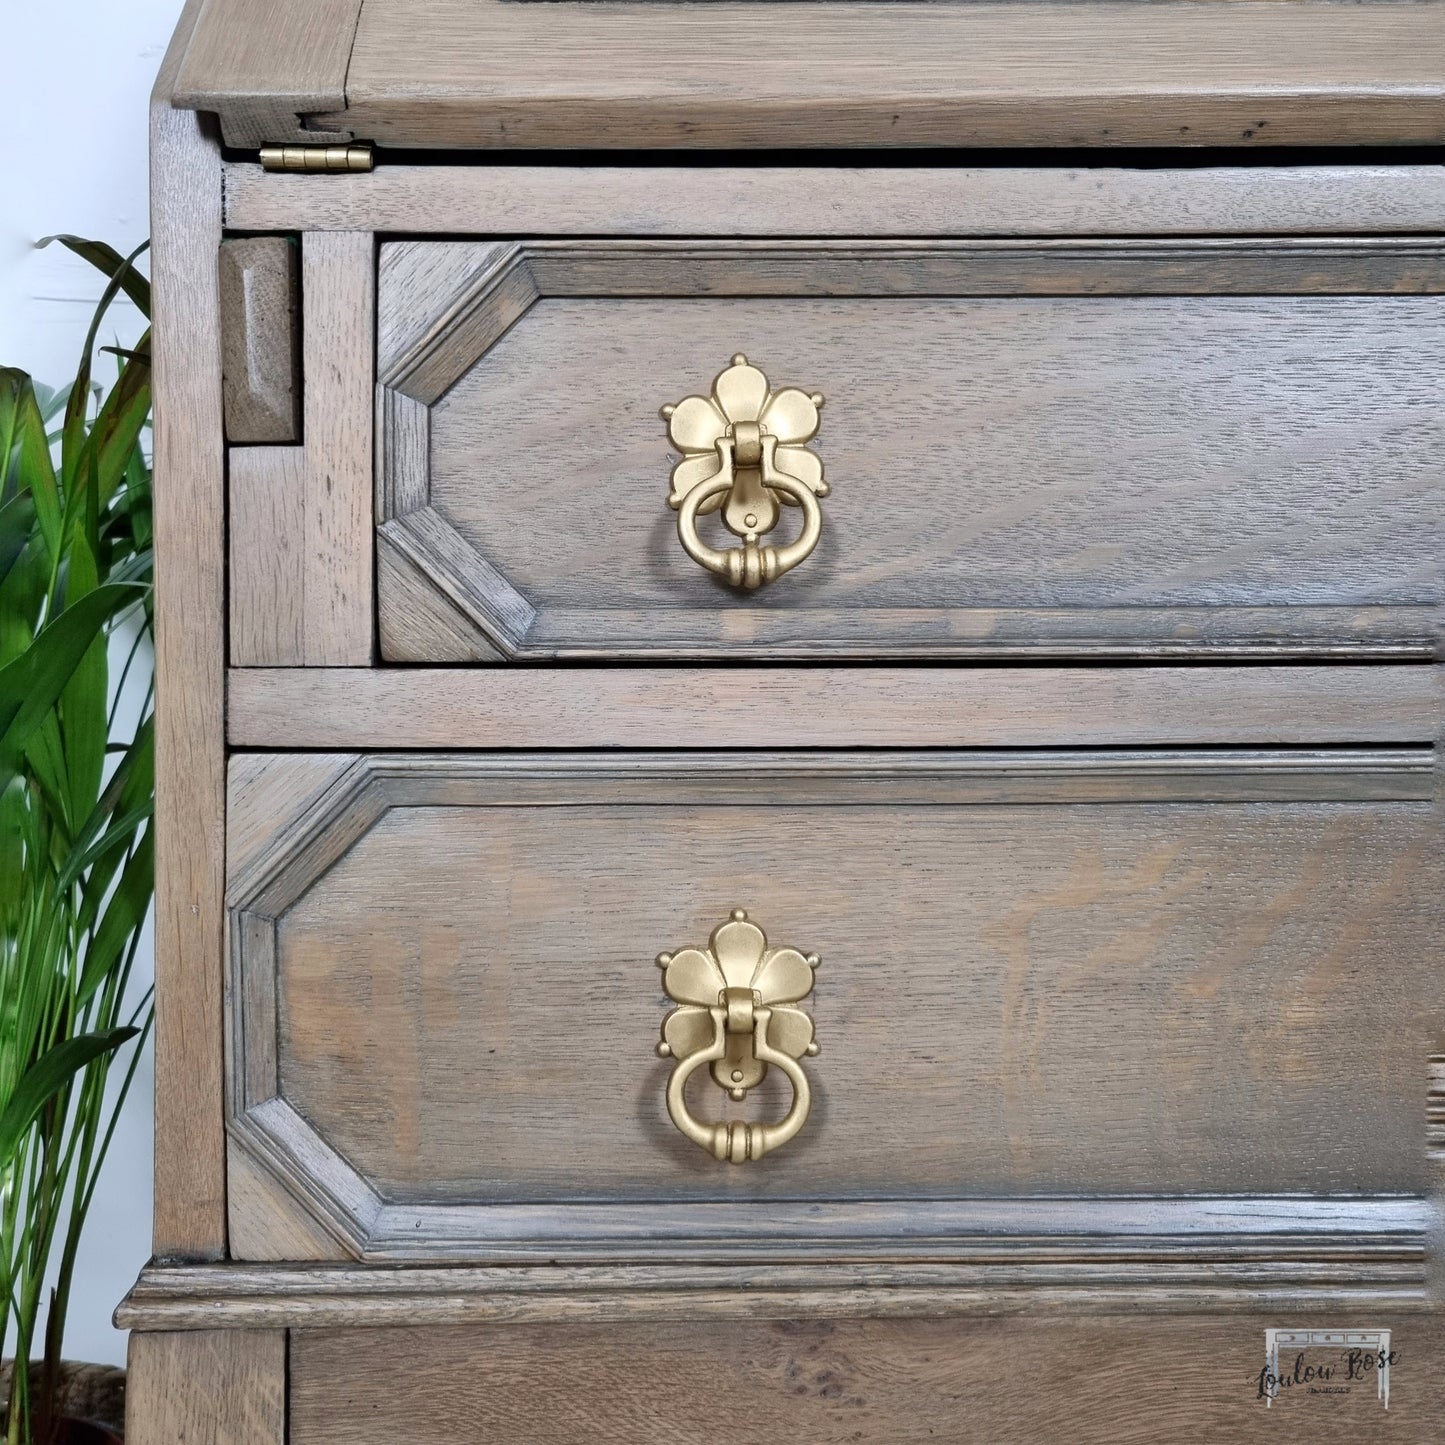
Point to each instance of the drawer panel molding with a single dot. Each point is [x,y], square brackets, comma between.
[1203,447]
[1126,974]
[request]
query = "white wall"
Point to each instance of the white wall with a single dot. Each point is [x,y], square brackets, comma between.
[73,158]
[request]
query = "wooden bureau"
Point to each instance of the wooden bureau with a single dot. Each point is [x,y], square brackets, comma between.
[797,722]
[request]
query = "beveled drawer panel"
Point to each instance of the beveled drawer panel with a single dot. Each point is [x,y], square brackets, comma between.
[1123,448]
[1043,974]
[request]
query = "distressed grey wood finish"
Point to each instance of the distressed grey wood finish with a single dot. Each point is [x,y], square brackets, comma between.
[845,200]
[1038,448]
[487,73]
[473,74]
[190,654]
[301,518]
[1114,1379]
[260,339]
[266,66]
[834,707]
[1159,1255]
[209,1387]
[1043,973]
[270,499]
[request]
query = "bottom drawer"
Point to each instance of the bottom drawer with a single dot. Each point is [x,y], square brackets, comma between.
[1051,983]
[1110,1379]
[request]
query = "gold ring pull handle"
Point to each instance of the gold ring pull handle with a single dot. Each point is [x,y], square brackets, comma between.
[737,1140]
[736,1011]
[752,564]
[745,454]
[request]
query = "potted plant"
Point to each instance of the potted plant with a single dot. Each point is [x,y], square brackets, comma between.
[76,785]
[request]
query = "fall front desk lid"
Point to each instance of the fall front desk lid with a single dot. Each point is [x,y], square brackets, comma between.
[778,74]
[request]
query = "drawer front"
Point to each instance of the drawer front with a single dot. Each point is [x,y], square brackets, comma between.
[1050,983]
[1011,1381]
[1063,447]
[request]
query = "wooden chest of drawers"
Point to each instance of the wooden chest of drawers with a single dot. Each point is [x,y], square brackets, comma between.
[797,790]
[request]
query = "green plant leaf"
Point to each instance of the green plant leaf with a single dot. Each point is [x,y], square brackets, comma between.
[124,913]
[13,382]
[17,522]
[135,779]
[26,449]
[131,788]
[118,425]
[74,434]
[116,836]
[13,818]
[31,684]
[47,1076]
[51,400]
[84,711]
[45,770]
[107,259]
[76,837]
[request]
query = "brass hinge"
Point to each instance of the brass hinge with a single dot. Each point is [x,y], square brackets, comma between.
[317,158]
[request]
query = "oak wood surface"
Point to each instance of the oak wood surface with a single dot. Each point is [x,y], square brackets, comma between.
[1106,974]
[1160,1256]
[267,488]
[1030,449]
[844,200]
[190,1217]
[254,785]
[491,74]
[1019,997]
[830,706]
[211,1387]
[264,1223]
[301,517]
[260,331]
[338,300]
[416,621]
[265,65]
[1111,1379]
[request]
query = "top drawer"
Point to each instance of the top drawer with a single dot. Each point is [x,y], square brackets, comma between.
[1053,448]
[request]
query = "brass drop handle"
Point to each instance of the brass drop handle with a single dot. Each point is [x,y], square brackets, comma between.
[736,1011]
[744,451]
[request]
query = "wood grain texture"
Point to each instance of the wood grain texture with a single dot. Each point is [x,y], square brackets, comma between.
[441,304]
[266,65]
[301,517]
[1113,996]
[1217,1257]
[212,1387]
[339,306]
[265,1223]
[1067,1020]
[268,501]
[485,74]
[437,309]
[1033,448]
[261,791]
[417,621]
[1114,1380]
[190,1218]
[417,285]
[845,201]
[260,339]
[832,707]
[1046,266]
